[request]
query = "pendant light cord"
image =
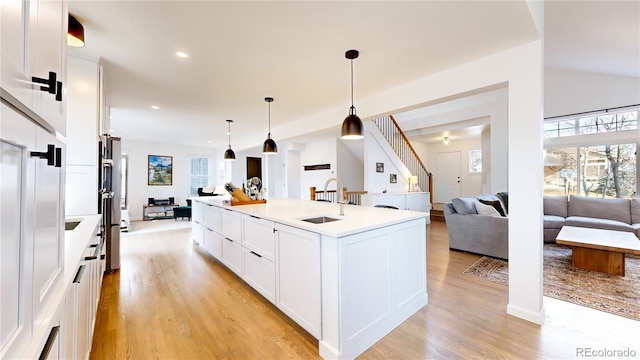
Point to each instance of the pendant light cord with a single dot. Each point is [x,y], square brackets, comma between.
[351,82]
[269,120]
[229,132]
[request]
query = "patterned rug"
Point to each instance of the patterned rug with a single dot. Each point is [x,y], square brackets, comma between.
[619,295]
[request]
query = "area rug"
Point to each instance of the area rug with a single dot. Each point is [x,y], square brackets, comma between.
[619,295]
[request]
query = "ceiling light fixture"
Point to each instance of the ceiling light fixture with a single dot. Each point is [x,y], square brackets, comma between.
[445,140]
[229,155]
[182,54]
[352,125]
[155,107]
[75,32]
[269,147]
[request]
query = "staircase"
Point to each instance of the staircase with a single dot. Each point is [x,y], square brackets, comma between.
[402,147]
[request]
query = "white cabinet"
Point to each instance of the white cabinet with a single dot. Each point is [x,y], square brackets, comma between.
[211,217]
[213,243]
[231,224]
[197,233]
[258,236]
[48,248]
[32,235]
[415,201]
[258,244]
[33,45]
[232,255]
[260,273]
[298,273]
[197,212]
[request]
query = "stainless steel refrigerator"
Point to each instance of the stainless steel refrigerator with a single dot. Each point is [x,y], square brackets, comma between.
[110,193]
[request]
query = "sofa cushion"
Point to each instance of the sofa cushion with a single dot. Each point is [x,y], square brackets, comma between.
[485,209]
[597,223]
[464,206]
[504,197]
[635,210]
[495,204]
[613,209]
[553,221]
[555,205]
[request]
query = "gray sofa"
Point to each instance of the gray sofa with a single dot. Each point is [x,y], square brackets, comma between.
[480,234]
[591,212]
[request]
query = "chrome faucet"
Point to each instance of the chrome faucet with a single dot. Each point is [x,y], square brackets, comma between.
[342,200]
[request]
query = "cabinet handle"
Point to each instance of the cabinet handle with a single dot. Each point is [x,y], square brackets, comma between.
[228,239]
[92,257]
[49,344]
[253,216]
[50,82]
[49,155]
[59,91]
[275,230]
[256,254]
[78,277]
[58,157]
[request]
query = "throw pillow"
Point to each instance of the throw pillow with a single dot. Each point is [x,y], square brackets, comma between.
[486,210]
[464,206]
[504,196]
[496,205]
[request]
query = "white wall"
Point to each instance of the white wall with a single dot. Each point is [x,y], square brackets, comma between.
[140,191]
[350,167]
[568,92]
[376,182]
[315,153]
[470,184]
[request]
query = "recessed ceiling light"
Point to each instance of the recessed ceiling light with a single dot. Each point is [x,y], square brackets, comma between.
[182,54]
[154,107]
[209,141]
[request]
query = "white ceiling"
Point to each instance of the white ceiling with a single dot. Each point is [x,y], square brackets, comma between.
[241,52]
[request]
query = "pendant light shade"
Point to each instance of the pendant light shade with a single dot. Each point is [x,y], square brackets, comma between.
[229,155]
[352,125]
[75,33]
[269,147]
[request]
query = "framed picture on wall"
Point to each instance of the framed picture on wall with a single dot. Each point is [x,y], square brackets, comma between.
[393,178]
[160,170]
[379,167]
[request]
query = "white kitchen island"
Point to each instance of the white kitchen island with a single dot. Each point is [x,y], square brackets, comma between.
[347,282]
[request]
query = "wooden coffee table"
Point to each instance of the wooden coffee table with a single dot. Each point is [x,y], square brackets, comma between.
[598,249]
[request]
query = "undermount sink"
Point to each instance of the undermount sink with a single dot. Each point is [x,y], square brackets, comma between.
[70,225]
[320,219]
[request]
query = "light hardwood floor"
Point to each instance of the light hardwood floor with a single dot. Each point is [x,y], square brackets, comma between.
[170,300]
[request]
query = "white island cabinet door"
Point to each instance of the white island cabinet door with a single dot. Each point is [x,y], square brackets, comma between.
[232,255]
[213,243]
[298,274]
[197,212]
[231,225]
[48,251]
[258,236]
[211,217]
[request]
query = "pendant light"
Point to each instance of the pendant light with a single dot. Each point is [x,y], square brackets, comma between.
[269,147]
[75,32]
[229,155]
[352,125]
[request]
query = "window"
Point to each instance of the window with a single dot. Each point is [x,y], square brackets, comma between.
[596,124]
[475,161]
[600,171]
[593,154]
[198,174]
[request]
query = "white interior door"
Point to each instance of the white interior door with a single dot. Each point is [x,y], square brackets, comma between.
[447,176]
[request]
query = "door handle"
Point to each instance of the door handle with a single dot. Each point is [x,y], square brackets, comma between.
[49,155]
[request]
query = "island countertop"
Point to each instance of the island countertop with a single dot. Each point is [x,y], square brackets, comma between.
[291,212]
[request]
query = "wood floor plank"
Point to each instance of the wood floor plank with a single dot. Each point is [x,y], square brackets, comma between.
[170,300]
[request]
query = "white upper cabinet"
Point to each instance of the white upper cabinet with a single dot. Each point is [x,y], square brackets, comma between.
[33,46]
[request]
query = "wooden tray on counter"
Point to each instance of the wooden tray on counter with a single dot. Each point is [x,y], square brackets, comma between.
[248,202]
